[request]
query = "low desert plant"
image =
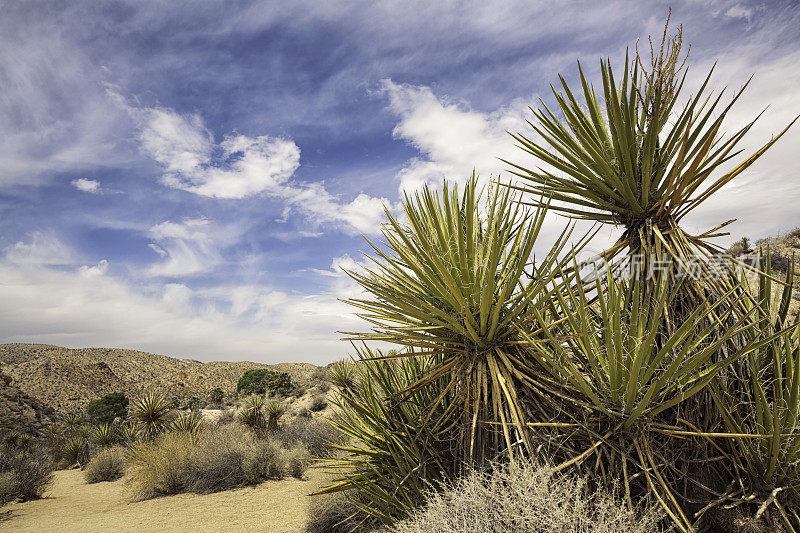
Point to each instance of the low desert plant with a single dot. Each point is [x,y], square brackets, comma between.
[274,411]
[217,458]
[318,403]
[107,465]
[25,472]
[75,450]
[188,422]
[105,434]
[526,498]
[157,467]
[343,374]
[317,435]
[336,513]
[216,395]
[251,413]
[150,412]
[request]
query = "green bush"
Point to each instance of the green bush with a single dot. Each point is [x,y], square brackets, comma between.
[263,381]
[107,465]
[109,407]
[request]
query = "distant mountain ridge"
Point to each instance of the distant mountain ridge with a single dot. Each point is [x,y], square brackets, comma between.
[67,379]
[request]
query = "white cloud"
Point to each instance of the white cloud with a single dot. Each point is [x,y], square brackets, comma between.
[185,248]
[86,185]
[42,249]
[452,138]
[241,166]
[87,306]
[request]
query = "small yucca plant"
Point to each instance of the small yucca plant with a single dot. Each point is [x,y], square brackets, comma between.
[72,420]
[251,413]
[760,404]
[130,433]
[105,434]
[343,374]
[393,457]
[274,410]
[188,422]
[151,412]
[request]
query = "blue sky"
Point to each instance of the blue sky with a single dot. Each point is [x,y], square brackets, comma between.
[188,178]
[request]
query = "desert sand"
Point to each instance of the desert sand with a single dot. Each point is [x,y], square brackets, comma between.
[72,505]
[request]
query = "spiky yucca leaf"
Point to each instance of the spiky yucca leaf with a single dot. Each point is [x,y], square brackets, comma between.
[251,413]
[188,422]
[151,412]
[393,458]
[343,374]
[453,282]
[105,434]
[761,405]
[642,159]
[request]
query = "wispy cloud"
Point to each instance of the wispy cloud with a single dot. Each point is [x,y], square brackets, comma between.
[86,185]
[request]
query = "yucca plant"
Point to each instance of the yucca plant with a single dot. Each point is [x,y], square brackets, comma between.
[274,411]
[612,358]
[251,413]
[130,433]
[760,405]
[188,422]
[72,421]
[456,281]
[151,412]
[343,374]
[393,457]
[105,434]
[75,450]
[642,160]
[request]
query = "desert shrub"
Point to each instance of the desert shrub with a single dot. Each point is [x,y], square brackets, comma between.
[216,395]
[343,374]
[193,403]
[107,465]
[740,247]
[109,407]
[318,403]
[525,498]
[264,381]
[217,458]
[295,460]
[317,435]
[226,417]
[157,467]
[25,472]
[75,450]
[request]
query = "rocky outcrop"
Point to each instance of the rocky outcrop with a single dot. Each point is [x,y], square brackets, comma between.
[20,412]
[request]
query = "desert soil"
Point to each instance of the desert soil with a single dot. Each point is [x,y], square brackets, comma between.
[72,505]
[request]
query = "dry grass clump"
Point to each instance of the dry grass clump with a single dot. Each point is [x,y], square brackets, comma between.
[25,473]
[217,458]
[107,465]
[525,497]
[336,513]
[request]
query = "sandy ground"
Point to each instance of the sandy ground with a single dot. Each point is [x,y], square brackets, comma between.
[72,505]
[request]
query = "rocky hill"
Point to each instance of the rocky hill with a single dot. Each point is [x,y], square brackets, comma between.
[67,379]
[20,412]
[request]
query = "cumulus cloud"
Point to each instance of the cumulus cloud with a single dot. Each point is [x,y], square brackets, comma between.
[86,185]
[241,166]
[452,138]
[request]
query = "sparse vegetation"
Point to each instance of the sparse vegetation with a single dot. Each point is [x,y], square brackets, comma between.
[217,458]
[107,465]
[251,413]
[151,412]
[317,435]
[216,396]
[25,472]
